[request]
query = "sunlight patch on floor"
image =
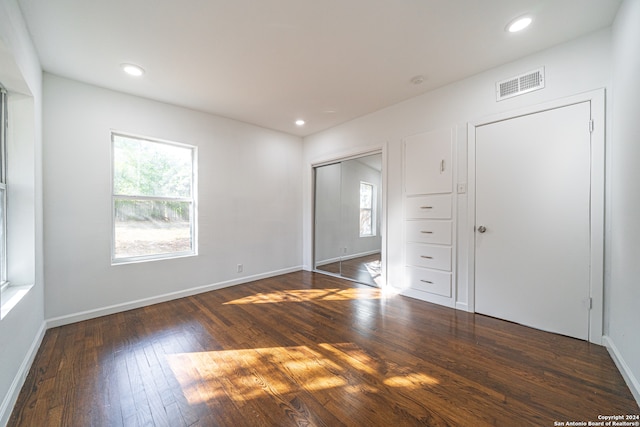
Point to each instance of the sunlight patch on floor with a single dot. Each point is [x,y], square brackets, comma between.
[302,295]
[247,374]
[410,381]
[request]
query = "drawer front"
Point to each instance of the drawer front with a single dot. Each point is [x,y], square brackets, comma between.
[425,231]
[432,281]
[421,255]
[437,206]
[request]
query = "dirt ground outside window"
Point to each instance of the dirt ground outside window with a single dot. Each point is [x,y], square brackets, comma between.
[141,238]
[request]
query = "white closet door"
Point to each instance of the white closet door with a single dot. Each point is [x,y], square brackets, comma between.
[533,198]
[428,167]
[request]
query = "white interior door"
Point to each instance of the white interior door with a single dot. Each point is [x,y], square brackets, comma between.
[532,256]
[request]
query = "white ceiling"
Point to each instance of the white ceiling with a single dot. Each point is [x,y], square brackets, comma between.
[269,62]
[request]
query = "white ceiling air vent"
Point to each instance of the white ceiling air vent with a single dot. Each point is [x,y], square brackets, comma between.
[514,86]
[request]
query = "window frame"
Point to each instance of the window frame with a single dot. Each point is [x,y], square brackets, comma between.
[4,125]
[372,209]
[192,200]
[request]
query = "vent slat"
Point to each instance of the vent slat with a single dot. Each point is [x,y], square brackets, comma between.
[518,85]
[508,87]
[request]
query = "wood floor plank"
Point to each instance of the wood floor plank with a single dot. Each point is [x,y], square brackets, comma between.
[304,349]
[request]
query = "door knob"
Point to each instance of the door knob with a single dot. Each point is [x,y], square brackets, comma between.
[482,229]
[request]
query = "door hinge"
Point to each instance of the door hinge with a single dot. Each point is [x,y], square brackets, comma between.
[590,125]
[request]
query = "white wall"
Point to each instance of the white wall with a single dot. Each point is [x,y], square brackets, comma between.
[249,209]
[575,67]
[22,329]
[622,293]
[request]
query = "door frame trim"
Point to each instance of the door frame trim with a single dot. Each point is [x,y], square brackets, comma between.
[597,195]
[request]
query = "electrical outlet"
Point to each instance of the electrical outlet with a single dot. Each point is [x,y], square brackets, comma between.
[240,268]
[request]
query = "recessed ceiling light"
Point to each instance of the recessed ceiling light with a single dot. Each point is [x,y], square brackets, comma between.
[132,70]
[519,24]
[299,122]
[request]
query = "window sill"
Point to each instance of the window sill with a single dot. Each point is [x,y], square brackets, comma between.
[11,296]
[136,260]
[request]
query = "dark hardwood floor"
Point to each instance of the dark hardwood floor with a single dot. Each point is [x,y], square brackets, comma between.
[364,269]
[306,349]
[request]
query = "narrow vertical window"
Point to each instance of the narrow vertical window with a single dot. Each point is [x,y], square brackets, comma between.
[367,211]
[3,188]
[153,199]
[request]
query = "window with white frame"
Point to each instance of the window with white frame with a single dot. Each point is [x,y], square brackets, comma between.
[367,210]
[3,188]
[154,198]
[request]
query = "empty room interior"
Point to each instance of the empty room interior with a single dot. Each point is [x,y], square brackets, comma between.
[287,212]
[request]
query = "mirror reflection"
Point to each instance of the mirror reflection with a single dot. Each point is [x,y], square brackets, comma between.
[348,205]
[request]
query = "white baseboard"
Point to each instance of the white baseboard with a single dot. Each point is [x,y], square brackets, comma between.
[625,370]
[117,308]
[347,257]
[361,254]
[327,261]
[21,375]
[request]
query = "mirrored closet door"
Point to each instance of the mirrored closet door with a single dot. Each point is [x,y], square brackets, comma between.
[348,206]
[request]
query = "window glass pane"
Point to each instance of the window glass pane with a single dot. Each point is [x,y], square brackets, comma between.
[151,227]
[3,134]
[366,210]
[365,222]
[3,236]
[146,168]
[3,188]
[366,193]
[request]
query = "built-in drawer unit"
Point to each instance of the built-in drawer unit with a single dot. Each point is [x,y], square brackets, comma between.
[426,231]
[432,281]
[429,256]
[430,204]
[436,206]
